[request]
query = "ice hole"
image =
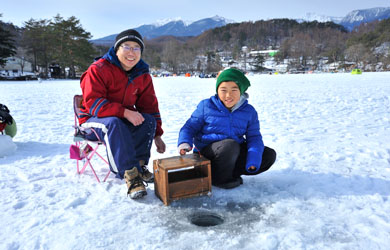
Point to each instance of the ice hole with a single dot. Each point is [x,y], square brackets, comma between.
[206,219]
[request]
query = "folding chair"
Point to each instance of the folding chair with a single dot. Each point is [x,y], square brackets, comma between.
[82,150]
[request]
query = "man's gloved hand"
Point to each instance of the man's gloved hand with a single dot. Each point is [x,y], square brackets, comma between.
[5,117]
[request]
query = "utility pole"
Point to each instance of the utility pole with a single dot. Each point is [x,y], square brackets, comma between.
[245,50]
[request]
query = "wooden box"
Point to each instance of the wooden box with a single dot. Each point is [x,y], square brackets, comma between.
[181,177]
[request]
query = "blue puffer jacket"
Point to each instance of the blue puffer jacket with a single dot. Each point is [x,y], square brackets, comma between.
[212,121]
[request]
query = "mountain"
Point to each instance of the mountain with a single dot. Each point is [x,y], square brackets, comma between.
[319,18]
[175,27]
[352,19]
[180,28]
[356,17]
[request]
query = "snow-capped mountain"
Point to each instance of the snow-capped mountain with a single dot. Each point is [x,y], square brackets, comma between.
[162,22]
[309,17]
[172,27]
[353,18]
[178,27]
[356,17]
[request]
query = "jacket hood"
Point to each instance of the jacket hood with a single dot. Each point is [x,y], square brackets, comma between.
[243,99]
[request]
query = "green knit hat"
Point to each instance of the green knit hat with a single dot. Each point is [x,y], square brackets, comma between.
[236,76]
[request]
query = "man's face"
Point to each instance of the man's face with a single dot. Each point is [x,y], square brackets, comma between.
[129,54]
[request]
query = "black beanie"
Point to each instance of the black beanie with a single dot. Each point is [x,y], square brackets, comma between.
[129,35]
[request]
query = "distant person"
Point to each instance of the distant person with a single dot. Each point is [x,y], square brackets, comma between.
[225,129]
[120,104]
[7,122]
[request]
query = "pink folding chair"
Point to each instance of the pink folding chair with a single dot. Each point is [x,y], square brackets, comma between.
[82,150]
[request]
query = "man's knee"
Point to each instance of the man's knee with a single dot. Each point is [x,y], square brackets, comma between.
[149,118]
[150,121]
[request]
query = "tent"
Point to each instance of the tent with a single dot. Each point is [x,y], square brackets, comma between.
[272,53]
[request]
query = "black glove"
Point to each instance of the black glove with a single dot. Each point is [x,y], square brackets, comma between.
[4,108]
[5,117]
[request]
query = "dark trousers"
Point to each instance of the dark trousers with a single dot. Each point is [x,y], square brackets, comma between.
[228,160]
[126,144]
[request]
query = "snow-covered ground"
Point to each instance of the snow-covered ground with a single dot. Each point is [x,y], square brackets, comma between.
[328,189]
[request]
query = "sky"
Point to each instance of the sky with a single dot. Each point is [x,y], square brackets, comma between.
[102,18]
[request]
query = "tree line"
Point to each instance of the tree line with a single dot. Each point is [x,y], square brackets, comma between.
[49,42]
[65,43]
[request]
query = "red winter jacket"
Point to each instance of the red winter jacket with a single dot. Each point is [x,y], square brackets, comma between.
[108,90]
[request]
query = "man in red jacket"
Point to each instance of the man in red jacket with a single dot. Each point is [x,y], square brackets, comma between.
[120,104]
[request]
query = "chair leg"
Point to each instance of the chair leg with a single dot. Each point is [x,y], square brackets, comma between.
[94,173]
[78,168]
[108,174]
[109,171]
[101,157]
[88,162]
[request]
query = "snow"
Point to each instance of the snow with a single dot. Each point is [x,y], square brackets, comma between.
[328,189]
[310,17]
[162,22]
[7,146]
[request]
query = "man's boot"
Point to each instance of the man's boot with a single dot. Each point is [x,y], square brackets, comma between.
[135,185]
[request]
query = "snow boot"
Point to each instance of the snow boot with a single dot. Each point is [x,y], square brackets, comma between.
[135,184]
[229,184]
[146,175]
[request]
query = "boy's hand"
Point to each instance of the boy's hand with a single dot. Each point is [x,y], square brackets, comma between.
[184,148]
[252,168]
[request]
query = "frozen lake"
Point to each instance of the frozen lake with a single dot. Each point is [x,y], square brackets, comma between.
[328,189]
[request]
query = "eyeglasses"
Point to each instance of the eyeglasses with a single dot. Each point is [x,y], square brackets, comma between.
[128,49]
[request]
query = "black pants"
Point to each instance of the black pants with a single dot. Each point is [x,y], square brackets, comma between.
[228,160]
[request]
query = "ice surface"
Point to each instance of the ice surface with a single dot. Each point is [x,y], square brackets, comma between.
[329,188]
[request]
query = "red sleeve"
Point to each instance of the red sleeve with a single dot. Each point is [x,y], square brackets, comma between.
[147,102]
[2,126]
[94,84]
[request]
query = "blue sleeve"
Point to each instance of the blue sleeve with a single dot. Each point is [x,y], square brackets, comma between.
[255,143]
[193,125]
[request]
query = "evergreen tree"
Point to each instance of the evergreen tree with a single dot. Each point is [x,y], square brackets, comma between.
[71,48]
[37,38]
[258,63]
[7,44]
[60,42]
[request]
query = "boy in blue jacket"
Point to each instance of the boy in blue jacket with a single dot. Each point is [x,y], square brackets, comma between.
[225,129]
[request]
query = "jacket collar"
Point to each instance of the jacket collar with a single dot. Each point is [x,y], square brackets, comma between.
[243,100]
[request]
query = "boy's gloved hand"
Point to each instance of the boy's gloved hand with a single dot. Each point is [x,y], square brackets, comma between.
[5,117]
[184,148]
[251,168]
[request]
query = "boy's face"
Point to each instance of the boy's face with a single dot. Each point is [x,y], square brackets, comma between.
[229,94]
[128,57]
